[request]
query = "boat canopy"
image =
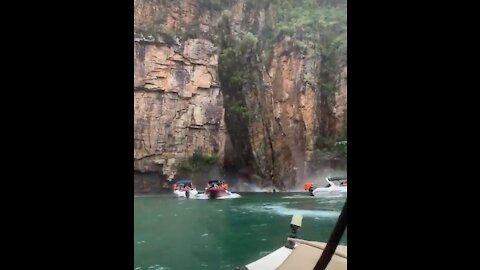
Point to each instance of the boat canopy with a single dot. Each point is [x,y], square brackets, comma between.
[337,178]
[184,182]
[214,181]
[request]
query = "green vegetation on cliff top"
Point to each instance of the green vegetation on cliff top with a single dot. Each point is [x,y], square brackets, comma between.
[198,162]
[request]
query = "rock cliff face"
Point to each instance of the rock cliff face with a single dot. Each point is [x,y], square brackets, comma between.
[178,105]
[273,126]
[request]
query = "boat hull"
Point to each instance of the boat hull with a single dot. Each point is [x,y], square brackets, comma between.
[318,192]
[183,193]
[215,193]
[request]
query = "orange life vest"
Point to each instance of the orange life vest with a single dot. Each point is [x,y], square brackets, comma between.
[307,186]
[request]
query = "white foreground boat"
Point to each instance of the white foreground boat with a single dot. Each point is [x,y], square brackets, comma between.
[300,254]
[303,256]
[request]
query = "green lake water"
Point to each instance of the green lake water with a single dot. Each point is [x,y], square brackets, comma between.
[182,234]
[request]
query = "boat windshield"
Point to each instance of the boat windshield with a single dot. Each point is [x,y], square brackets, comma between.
[184,183]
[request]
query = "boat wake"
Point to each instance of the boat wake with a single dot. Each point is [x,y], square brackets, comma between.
[203,196]
[324,196]
[231,196]
[297,197]
[284,211]
[335,196]
[154,267]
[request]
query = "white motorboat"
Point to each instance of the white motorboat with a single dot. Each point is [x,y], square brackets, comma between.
[184,189]
[335,186]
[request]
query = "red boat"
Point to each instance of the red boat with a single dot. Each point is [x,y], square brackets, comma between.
[217,189]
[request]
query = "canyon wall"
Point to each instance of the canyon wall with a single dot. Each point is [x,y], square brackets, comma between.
[210,77]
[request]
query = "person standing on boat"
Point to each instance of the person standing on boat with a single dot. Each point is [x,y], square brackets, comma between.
[308,187]
[187,191]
